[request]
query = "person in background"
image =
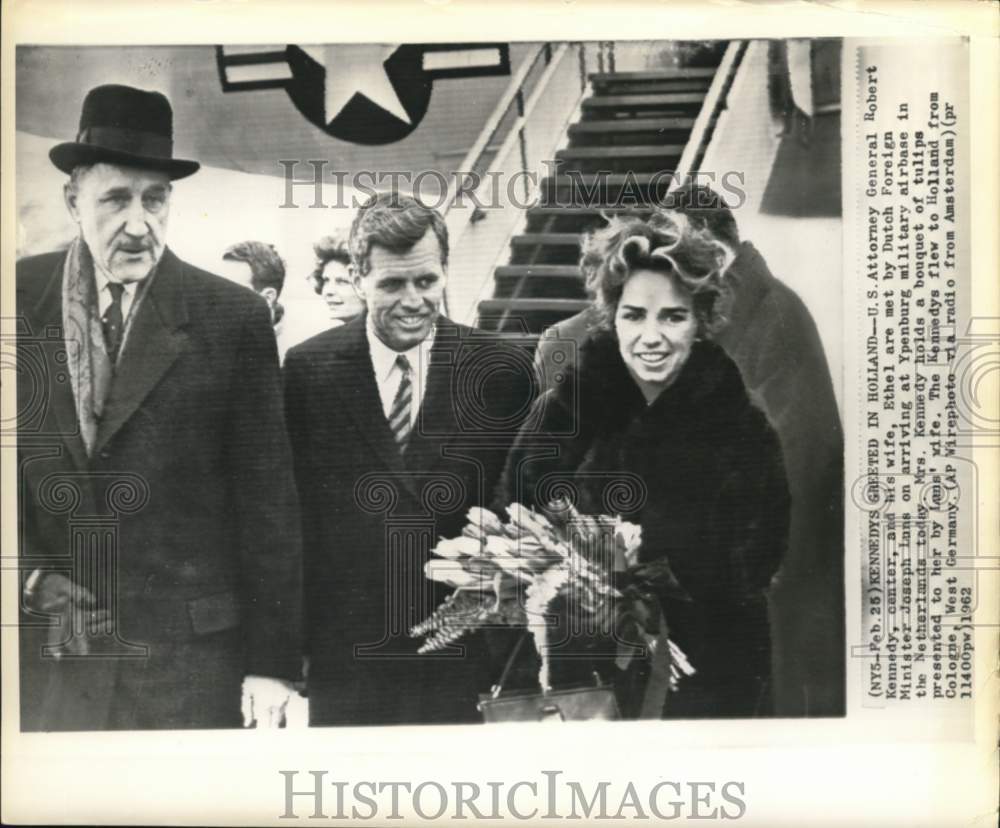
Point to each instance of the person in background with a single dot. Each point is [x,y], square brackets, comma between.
[773,339]
[331,279]
[258,266]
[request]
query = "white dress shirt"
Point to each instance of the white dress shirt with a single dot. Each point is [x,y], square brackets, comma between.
[388,374]
[104,295]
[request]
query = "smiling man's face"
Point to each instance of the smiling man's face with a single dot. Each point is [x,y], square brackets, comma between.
[404,292]
[122,214]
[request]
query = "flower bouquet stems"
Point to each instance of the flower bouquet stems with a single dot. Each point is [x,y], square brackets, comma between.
[511,574]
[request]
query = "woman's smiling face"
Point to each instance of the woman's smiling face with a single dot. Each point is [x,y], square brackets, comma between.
[656,327]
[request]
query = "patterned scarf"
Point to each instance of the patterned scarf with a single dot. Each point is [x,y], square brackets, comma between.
[90,368]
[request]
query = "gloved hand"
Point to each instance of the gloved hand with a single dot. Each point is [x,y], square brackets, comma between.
[55,594]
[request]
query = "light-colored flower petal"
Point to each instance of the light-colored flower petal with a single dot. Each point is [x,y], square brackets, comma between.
[529,521]
[450,572]
[484,520]
[630,536]
[485,567]
[499,546]
[511,564]
[458,547]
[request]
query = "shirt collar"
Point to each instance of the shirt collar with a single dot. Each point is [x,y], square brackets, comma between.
[384,358]
[103,280]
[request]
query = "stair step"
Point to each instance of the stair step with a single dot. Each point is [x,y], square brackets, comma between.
[553,239]
[556,219]
[596,210]
[652,88]
[495,307]
[618,125]
[533,281]
[527,342]
[652,75]
[681,99]
[545,249]
[544,219]
[546,271]
[589,180]
[622,189]
[614,153]
[527,315]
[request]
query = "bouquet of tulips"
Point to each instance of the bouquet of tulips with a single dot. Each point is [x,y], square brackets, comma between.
[510,573]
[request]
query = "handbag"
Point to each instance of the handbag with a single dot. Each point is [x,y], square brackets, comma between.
[592,702]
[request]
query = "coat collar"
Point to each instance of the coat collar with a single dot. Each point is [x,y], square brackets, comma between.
[438,419]
[48,311]
[708,388]
[48,307]
[752,281]
[155,340]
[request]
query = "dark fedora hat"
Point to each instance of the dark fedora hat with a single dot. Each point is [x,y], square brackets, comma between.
[124,125]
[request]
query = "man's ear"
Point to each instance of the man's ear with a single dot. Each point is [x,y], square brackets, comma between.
[70,196]
[356,282]
[728,257]
[270,294]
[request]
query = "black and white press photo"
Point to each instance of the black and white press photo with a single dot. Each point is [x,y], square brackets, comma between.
[572,448]
[370,401]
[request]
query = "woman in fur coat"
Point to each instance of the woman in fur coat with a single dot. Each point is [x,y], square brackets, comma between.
[655,424]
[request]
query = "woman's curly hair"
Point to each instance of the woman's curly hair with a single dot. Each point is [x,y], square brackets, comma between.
[666,243]
[328,249]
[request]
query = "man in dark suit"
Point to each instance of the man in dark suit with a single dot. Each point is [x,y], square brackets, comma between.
[160,550]
[772,337]
[400,421]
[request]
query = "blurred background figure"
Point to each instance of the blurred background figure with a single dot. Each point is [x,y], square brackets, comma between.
[258,266]
[331,279]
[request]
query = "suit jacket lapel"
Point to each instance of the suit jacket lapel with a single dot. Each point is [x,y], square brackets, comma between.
[354,378]
[437,420]
[48,312]
[155,340]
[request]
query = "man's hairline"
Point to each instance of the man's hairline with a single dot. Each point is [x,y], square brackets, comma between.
[79,171]
[371,247]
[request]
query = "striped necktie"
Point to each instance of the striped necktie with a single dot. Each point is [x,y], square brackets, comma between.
[399,414]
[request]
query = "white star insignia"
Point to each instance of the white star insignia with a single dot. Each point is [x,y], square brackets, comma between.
[354,69]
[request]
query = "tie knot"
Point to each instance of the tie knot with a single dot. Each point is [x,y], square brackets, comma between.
[403,363]
[117,289]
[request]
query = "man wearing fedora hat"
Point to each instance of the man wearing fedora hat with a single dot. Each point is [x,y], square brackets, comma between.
[158,517]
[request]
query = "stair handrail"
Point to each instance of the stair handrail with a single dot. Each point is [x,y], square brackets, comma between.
[715,101]
[517,132]
[517,95]
[513,94]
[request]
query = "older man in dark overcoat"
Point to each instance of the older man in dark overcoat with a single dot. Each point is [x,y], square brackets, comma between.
[158,520]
